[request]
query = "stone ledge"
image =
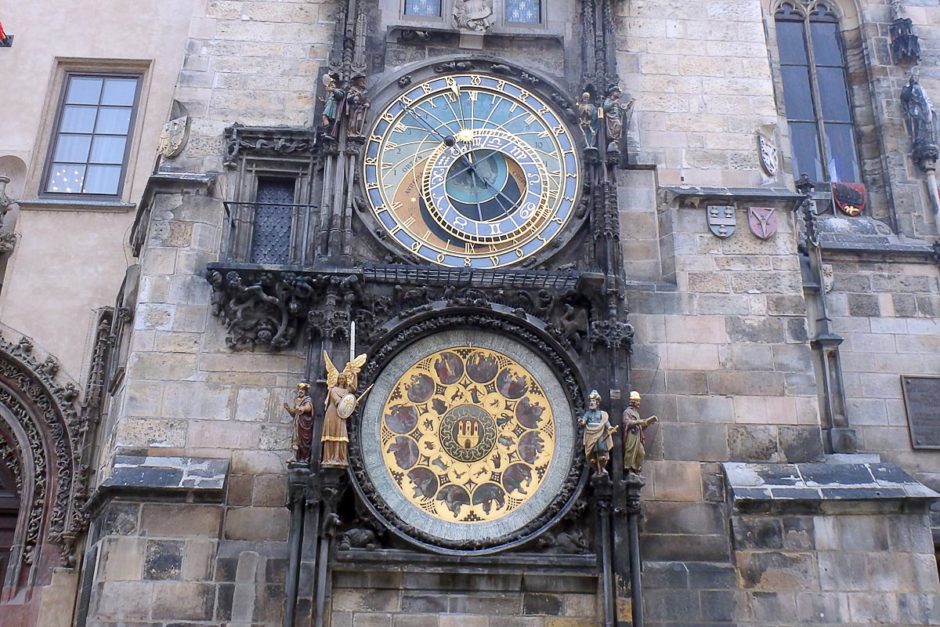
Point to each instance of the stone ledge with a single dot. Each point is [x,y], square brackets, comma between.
[822,486]
[695,194]
[199,478]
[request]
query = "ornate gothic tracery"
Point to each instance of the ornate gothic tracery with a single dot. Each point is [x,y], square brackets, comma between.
[41,441]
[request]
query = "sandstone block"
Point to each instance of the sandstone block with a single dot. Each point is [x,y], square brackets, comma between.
[257,523]
[123,600]
[183,601]
[675,481]
[122,559]
[163,520]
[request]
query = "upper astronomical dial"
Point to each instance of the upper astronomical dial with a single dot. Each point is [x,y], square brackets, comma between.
[471,170]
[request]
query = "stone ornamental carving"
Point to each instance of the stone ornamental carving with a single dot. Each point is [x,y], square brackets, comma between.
[474,15]
[721,220]
[768,154]
[921,121]
[850,198]
[762,221]
[173,137]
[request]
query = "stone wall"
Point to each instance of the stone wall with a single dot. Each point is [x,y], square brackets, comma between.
[702,83]
[154,570]
[447,597]
[256,63]
[887,314]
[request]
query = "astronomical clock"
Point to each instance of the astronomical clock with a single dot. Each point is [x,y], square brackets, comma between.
[468,440]
[471,171]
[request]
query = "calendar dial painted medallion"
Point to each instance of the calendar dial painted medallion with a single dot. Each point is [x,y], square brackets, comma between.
[471,170]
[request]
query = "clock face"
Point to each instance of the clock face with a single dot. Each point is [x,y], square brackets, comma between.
[467,436]
[471,170]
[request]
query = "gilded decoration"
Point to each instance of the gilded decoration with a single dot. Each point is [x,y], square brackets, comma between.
[467,434]
[468,439]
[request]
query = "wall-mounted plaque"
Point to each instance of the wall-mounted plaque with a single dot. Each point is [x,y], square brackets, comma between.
[922,402]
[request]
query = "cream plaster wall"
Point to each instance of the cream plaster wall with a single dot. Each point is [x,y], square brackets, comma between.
[69,263]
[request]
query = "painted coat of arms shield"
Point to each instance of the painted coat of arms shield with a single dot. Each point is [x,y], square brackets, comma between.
[721,220]
[762,221]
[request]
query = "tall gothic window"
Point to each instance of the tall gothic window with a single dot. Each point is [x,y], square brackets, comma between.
[816,94]
[423,8]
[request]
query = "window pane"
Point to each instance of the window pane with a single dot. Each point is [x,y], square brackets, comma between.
[796,93]
[119,91]
[72,148]
[805,150]
[83,90]
[78,119]
[113,120]
[428,8]
[108,150]
[833,91]
[523,11]
[66,178]
[826,49]
[102,179]
[843,162]
[790,42]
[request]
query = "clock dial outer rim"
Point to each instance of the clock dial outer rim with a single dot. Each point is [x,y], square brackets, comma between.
[546,350]
[565,438]
[546,90]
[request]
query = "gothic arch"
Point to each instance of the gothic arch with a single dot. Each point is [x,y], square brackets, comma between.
[41,440]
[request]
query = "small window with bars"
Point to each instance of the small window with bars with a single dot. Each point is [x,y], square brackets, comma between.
[92,135]
[273,221]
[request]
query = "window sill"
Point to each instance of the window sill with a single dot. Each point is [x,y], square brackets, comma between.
[74,204]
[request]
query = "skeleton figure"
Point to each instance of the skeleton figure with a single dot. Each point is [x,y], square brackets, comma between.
[587,112]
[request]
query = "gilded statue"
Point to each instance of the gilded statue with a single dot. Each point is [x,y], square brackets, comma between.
[341,402]
[302,413]
[634,452]
[598,440]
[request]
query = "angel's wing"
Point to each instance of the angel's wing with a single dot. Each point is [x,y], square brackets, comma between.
[332,374]
[327,80]
[355,366]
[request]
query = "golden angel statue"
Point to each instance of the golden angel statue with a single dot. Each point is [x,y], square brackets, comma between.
[341,402]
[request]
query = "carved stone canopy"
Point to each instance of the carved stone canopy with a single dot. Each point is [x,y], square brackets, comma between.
[281,141]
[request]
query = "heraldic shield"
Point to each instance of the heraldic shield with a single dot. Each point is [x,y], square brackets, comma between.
[762,221]
[721,220]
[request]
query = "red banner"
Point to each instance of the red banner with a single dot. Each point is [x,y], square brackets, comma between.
[3,34]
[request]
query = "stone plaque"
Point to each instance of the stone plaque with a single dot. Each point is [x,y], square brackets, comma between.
[922,402]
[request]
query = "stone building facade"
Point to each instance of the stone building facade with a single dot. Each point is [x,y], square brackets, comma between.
[228,172]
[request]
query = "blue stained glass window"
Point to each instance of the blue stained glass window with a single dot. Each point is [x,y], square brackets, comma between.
[524,11]
[424,8]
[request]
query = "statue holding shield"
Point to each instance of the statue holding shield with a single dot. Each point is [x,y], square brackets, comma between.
[341,402]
